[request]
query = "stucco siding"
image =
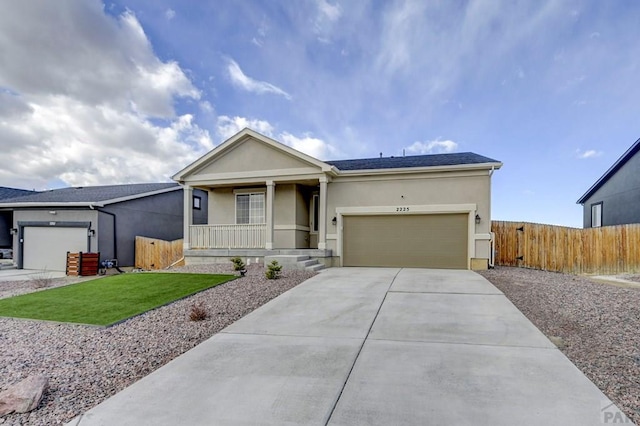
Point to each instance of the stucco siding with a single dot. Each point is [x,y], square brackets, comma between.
[473,188]
[251,155]
[222,206]
[620,196]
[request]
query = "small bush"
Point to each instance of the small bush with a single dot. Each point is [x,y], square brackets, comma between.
[42,280]
[273,270]
[198,312]
[238,264]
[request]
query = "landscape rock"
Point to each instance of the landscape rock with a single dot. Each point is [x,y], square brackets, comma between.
[24,396]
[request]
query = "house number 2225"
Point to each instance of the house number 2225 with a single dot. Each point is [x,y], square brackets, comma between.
[402,209]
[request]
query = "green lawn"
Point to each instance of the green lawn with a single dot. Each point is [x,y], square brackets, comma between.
[108,300]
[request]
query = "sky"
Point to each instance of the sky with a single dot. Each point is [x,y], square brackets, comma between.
[101,92]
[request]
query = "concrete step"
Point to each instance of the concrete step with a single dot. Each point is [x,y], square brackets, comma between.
[315,268]
[4,266]
[309,262]
[285,260]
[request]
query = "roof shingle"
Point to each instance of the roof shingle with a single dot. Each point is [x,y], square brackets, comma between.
[430,160]
[89,194]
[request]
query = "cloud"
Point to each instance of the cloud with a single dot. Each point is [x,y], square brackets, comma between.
[169,14]
[89,105]
[590,153]
[432,147]
[314,147]
[239,79]
[332,12]
[229,126]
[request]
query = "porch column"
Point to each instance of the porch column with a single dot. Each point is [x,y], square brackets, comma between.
[187,216]
[322,226]
[270,193]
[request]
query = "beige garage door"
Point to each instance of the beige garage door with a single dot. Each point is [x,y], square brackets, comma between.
[45,248]
[419,241]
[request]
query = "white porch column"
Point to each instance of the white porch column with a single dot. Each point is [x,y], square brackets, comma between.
[322,226]
[187,215]
[270,194]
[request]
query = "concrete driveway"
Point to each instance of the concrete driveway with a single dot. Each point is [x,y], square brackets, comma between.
[28,274]
[366,346]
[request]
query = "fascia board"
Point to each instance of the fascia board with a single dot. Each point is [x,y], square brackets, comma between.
[52,204]
[429,169]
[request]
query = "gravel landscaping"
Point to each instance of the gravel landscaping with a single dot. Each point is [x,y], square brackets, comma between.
[596,325]
[86,365]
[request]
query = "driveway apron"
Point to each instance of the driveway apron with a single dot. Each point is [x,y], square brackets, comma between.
[369,346]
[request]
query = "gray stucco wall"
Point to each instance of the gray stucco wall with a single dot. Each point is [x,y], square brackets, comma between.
[620,196]
[159,216]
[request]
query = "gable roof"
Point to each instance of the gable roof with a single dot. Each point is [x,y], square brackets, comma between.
[6,192]
[430,160]
[612,171]
[239,137]
[90,195]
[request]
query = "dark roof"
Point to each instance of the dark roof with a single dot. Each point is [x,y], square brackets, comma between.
[612,171]
[90,194]
[6,193]
[430,160]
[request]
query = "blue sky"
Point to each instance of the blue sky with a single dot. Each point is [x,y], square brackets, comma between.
[124,91]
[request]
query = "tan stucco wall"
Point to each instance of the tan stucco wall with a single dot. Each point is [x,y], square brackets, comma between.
[251,155]
[222,206]
[413,190]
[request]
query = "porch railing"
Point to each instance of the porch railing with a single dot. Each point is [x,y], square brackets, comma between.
[228,236]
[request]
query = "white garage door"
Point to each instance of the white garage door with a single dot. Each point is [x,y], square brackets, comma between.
[45,248]
[412,241]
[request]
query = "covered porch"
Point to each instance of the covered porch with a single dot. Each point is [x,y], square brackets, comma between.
[281,218]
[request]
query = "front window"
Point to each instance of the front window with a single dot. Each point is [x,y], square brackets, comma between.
[250,208]
[596,215]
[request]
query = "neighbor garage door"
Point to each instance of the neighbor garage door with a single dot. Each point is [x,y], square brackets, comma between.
[421,241]
[45,248]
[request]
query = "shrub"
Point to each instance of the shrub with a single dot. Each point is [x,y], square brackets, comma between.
[42,280]
[273,270]
[198,312]
[238,264]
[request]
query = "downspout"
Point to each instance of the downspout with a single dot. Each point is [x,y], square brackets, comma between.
[115,239]
[492,241]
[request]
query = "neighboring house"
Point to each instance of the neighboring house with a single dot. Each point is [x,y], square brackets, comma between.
[266,198]
[6,217]
[614,199]
[105,219]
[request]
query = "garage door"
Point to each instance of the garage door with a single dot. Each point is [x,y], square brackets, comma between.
[424,241]
[45,248]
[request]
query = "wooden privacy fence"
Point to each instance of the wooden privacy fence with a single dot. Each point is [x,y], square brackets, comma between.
[606,250]
[157,254]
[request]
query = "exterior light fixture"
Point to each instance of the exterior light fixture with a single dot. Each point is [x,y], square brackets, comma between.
[91,233]
[13,231]
[334,221]
[477,219]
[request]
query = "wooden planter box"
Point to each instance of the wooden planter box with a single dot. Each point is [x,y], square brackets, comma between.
[82,264]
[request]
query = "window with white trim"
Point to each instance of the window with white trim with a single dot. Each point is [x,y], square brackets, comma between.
[596,215]
[250,208]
